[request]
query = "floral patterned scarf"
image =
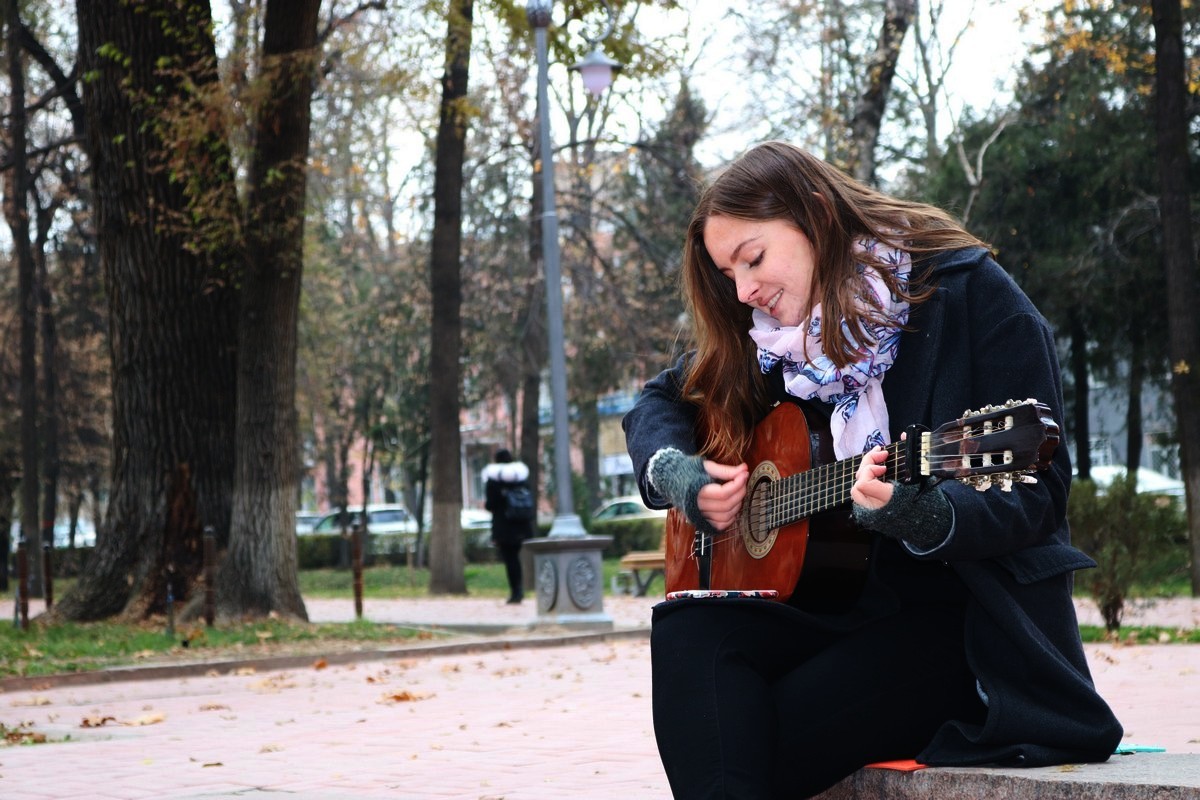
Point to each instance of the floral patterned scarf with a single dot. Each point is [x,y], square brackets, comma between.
[860,416]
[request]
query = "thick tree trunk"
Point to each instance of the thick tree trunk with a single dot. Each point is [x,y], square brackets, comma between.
[259,574]
[881,69]
[1183,284]
[172,309]
[16,209]
[446,559]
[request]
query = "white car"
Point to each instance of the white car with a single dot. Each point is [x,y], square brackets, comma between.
[628,507]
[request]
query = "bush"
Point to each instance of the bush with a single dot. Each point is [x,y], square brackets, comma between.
[644,533]
[1127,534]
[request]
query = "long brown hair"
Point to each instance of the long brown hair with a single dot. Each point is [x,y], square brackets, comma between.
[775,180]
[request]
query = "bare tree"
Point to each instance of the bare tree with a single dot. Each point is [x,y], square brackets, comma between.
[881,69]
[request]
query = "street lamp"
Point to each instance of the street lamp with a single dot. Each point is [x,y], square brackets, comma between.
[596,70]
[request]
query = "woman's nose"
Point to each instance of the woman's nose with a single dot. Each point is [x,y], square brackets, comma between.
[746,289]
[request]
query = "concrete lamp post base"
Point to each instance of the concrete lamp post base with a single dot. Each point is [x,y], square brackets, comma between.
[569,581]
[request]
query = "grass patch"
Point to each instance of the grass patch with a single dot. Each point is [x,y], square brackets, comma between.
[393,582]
[1149,634]
[85,647]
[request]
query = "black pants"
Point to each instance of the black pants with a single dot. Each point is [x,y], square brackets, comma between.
[749,702]
[511,554]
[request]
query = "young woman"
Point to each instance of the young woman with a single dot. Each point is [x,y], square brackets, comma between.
[961,644]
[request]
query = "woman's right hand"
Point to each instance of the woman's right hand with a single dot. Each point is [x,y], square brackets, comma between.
[720,502]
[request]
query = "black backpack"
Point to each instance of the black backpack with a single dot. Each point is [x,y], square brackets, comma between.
[518,504]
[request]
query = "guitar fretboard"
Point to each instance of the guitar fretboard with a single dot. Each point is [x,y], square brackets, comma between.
[807,493]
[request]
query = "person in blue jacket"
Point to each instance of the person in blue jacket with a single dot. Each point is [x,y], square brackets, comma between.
[960,646]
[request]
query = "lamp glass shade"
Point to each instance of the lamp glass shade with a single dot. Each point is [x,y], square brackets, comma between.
[596,77]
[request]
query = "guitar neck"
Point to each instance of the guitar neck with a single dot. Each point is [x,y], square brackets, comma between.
[822,488]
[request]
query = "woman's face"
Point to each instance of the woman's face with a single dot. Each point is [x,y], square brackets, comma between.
[771,262]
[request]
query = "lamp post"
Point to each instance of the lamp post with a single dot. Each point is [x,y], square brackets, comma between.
[567,566]
[596,70]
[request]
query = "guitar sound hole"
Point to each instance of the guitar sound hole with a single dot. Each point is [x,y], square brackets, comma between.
[758,516]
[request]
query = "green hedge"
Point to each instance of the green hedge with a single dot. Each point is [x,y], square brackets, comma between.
[320,551]
[630,534]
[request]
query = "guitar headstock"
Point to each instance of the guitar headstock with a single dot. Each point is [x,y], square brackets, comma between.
[994,445]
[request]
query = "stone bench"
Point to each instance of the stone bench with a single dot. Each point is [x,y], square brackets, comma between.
[1139,776]
[649,562]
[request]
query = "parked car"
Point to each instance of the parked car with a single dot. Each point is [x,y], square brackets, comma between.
[1148,481]
[85,533]
[628,507]
[305,520]
[381,519]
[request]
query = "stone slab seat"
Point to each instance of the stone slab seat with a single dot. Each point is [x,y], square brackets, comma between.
[643,565]
[1139,776]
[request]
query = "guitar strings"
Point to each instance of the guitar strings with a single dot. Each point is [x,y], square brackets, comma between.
[828,485]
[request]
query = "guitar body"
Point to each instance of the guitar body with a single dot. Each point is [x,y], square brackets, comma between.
[826,549]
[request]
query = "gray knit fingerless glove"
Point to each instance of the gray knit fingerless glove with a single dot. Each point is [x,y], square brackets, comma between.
[678,478]
[922,517]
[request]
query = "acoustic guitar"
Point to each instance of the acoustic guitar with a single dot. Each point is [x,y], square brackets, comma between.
[794,531]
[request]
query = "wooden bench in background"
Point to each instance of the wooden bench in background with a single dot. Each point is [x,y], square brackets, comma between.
[643,565]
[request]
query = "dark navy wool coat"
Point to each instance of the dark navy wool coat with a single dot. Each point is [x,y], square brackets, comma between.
[977,341]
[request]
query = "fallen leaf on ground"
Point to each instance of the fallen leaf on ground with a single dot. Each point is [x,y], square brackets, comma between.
[145,719]
[96,721]
[39,700]
[404,696]
[214,707]
[320,663]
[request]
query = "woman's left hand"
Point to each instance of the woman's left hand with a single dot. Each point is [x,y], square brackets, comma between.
[870,490]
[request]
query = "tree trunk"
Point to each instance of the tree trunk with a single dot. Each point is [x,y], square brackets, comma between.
[259,574]
[1134,428]
[534,345]
[589,426]
[51,466]
[446,559]
[1079,372]
[172,309]
[16,209]
[1183,291]
[881,69]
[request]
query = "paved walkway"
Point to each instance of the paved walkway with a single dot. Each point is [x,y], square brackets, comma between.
[511,721]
